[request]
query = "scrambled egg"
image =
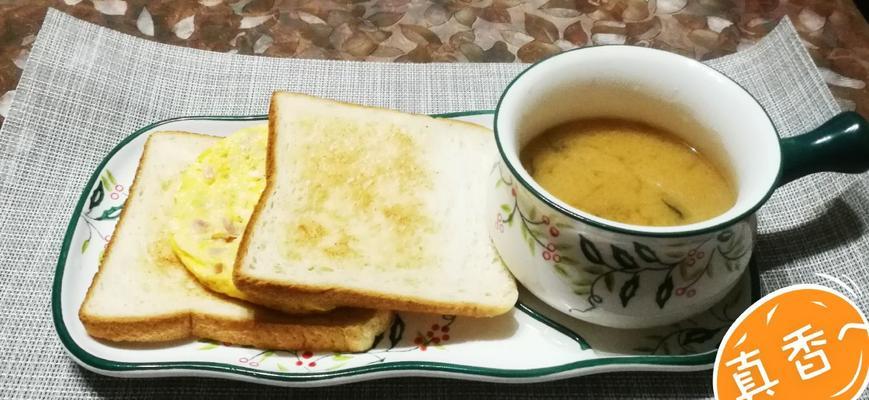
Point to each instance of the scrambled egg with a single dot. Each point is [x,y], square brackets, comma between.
[213,204]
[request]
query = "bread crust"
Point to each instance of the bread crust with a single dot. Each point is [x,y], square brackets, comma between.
[356,298]
[338,330]
[261,290]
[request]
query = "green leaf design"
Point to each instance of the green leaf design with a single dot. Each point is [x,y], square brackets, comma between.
[697,335]
[562,225]
[105,183]
[589,250]
[208,346]
[675,254]
[341,357]
[568,260]
[629,289]
[396,331]
[498,183]
[593,269]
[524,230]
[695,272]
[85,244]
[582,281]
[281,367]
[562,246]
[506,208]
[111,177]
[665,290]
[530,241]
[96,197]
[645,253]
[110,213]
[561,270]
[609,281]
[683,271]
[623,258]
[581,290]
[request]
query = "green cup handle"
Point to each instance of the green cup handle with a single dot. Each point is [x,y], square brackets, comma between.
[839,145]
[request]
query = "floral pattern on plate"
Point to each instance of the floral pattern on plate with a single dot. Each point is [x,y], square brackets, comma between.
[533,342]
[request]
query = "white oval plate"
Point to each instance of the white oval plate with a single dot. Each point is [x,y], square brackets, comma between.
[531,343]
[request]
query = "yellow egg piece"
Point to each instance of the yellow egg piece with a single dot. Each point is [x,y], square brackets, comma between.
[214,203]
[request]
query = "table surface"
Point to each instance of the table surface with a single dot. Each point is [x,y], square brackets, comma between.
[833,31]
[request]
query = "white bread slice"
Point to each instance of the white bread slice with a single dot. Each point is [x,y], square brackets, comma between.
[374,208]
[142,293]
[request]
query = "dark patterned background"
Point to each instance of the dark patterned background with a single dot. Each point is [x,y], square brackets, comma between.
[834,32]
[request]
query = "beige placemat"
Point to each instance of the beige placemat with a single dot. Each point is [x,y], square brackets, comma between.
[85,88]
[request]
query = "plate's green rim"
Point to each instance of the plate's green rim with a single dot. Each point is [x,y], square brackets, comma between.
[102,364]
[567,212]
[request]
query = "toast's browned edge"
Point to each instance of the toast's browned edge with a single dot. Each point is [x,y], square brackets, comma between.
[290,307]
[146,330]
[259,289]
[363,299]
[303,335]
[119,228]
[335,331]
[264,196]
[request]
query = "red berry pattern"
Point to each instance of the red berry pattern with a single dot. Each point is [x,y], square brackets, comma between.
[437,334]
[306,359]
[686,291]
[550,251]
[499,223]
[117,192]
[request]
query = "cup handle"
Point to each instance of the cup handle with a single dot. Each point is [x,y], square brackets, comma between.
[839,145]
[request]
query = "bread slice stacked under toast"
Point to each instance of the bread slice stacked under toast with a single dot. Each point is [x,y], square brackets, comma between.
[374,208]
[143,294]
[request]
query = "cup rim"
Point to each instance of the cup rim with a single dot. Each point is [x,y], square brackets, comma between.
[637,232]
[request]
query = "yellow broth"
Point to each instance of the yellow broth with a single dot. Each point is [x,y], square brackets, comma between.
[628,172]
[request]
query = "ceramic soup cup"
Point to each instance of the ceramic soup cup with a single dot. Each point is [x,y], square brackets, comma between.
[632,276]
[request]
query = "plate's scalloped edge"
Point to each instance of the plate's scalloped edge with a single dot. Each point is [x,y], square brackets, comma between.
[91,362]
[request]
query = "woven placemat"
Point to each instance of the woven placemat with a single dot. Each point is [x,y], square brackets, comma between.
[84,88]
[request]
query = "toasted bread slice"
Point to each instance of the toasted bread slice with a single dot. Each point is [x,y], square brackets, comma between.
[374,208]
[213,202]
[142,293]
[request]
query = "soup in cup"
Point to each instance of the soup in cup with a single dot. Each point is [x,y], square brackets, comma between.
[603,253]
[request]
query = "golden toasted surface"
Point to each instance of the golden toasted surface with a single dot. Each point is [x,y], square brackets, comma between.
[364,175]
[142,292]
